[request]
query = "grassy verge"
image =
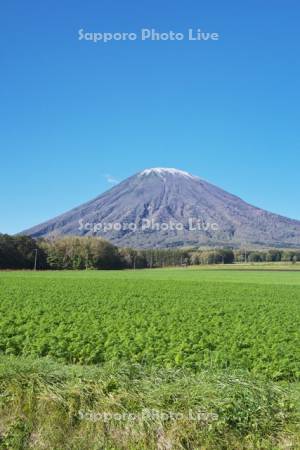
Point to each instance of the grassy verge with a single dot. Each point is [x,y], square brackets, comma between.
[46,405]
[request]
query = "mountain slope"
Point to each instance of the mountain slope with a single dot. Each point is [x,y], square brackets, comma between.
[168,207]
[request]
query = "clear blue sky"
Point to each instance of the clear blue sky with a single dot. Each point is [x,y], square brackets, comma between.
[73,112]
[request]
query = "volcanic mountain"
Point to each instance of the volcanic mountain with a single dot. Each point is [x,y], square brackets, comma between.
[169,208]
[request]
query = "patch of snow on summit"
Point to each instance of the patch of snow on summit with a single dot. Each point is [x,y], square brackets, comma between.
[164,171]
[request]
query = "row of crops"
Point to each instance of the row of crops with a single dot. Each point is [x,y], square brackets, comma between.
[195,323]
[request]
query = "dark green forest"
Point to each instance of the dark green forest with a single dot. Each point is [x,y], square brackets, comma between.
[24,252]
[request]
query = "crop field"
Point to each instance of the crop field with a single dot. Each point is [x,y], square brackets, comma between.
[194,319]
[225,339]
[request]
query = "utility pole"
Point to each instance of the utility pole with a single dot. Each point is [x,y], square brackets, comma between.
[35,258]
[134,258]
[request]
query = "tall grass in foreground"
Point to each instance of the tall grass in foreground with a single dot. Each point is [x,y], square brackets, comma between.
[46,405]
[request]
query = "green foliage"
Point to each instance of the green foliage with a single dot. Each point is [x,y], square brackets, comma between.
[45,405]
[166,318]
[81,253]
[77,253]
[18,252]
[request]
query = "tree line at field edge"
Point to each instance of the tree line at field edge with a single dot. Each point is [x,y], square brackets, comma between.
[24,252]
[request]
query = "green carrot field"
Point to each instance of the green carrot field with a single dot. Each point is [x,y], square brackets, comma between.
[177,332]
[167,318]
